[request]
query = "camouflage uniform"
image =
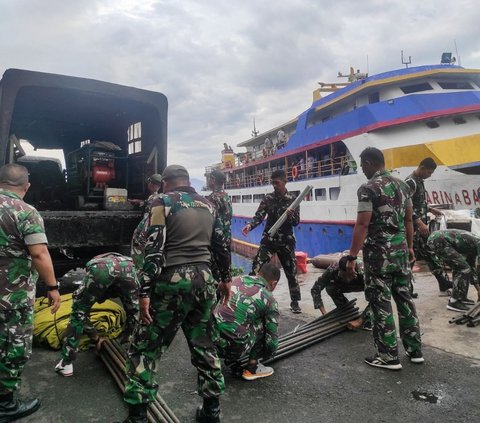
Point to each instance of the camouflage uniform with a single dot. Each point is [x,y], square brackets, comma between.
[457,249]
[140,236]
[178,280]
[336,287]
[223,207]
[108,275]
[422,251]
[247,324]
[20,225]
[387,270]
[282,243]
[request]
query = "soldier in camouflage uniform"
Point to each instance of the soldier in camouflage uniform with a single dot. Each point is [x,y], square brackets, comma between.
[415,181]
[109,275]
[23,253]
[154,185]
[247,324]
[459,250]
[283,242]
[178,289]
[223,206]
[336,281]
[385,219]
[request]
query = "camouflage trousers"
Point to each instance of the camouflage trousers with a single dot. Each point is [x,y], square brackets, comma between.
[251,345]
[97,286]
[425,253]
[183,297]
[462,272]
[380,287]
[16,332]
[286,254]
[336,291]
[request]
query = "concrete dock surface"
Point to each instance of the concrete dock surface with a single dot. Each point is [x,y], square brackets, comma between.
[328,382]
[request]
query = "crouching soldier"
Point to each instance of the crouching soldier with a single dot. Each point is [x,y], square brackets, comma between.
[459,250]
[246,325]
[109,275]
[336,281]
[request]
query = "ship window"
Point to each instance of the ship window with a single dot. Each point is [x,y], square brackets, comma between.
[458,120]
[334,193]
[460,85]
[257,198]
[84,142]
[320,194]
[246,198]
[374,98]
[134,136]
[236,198]
[409,89]
[432,124]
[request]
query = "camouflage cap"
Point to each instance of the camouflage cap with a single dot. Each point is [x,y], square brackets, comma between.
[156,179]
[175,171]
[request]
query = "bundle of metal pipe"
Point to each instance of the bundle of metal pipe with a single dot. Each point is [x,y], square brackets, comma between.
[313,332]
[114,357]
[471,317]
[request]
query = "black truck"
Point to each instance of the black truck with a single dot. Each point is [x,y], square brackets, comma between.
[112,136]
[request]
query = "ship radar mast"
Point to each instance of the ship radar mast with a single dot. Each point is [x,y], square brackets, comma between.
[404,62]
[255,132]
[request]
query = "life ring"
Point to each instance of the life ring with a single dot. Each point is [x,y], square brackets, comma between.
[294,172]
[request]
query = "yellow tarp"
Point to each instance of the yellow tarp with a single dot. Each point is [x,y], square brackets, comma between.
[108,318]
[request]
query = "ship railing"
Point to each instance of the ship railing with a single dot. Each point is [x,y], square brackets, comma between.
[339,165]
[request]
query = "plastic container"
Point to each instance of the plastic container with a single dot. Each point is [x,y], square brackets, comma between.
[301,258]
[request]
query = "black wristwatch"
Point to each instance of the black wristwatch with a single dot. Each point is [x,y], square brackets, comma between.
[351,258]
[52,288]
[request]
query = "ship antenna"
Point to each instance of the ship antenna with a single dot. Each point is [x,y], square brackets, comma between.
[456,51]
[255,132]
[404,62]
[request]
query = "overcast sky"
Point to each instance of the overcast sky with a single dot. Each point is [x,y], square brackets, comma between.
[220,63]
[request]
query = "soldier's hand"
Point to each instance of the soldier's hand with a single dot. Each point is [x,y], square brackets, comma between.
[323,310]
[54,300]
[411,255]
[423,229]
[224,291]
[145,310]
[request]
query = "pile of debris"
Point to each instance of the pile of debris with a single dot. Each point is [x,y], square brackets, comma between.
[471,317]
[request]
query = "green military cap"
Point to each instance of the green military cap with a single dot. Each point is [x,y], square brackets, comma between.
[156,179]
[175,171]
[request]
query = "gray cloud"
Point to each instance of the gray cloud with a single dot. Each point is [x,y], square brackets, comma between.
[222,63]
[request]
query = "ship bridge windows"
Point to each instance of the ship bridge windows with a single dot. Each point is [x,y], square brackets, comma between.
[257,198]
[320,194]
[246,198]
[334,193]
[410,89]
[456,85]
[236,199]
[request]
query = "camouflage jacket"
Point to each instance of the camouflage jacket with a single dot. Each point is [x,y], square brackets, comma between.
[20,225]
[418,195]
[251,311]
[331,276]
[272,207]
[182,228]
[139,237]
[462,241]
[223,206]
[387,198]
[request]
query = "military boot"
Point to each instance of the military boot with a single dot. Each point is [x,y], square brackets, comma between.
[137,414]
[209,412]
[11,409]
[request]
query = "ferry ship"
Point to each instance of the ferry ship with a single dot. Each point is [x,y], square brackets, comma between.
[409,113]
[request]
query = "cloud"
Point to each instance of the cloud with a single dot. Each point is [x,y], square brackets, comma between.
[223,63]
